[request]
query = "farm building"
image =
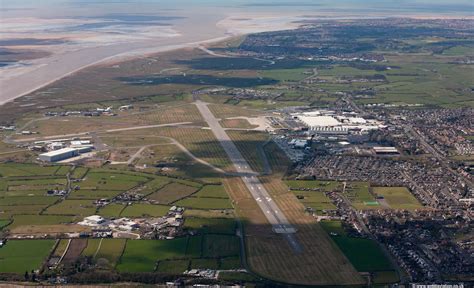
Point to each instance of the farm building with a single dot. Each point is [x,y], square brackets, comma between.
[58,155]
[93,220]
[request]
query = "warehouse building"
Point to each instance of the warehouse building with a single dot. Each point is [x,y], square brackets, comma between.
[385,150]
[58,155]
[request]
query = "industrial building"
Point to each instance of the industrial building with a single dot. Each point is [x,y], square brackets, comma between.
[340,123]
[385,150]
[58,155]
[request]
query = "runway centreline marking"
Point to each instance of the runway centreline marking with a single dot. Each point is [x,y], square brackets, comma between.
[270,209]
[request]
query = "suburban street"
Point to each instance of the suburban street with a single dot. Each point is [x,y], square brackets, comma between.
[271,210]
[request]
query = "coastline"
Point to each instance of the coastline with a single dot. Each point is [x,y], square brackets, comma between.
[48,70]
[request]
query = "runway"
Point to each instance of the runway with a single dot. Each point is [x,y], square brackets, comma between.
[270,209]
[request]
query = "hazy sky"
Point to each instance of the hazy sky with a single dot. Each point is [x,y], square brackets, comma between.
[48,7]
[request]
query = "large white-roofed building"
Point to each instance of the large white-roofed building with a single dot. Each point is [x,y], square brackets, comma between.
[330,122]
[58,155]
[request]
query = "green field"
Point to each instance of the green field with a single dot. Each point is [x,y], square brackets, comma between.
[61,247]
[286,75]
[143,210]
[24,170]
[18,256]
[398,197]
[79,172]
[212,191]
[211,225]
[359,195]
[109,180]
[205,203]
[194,247]
[73,207]
[316,200]
[173,266]
[325,186]
[91,248]
[4,223]
[364,254]
[142,255]
[204,263]
[230,263]
[34,220]
[220,246]
[171,193]
[111,210]
[110,251]
[94,194]
[7,211]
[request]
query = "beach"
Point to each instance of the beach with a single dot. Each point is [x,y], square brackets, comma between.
[194,30]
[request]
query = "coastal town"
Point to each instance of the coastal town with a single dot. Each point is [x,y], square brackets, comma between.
[337,153]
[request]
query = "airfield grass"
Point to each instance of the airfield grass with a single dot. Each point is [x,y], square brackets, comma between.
[237,123]
[201,143]
[250,144]
[18,256]
[398,197]
[182,112]
[224,111]
[270,255]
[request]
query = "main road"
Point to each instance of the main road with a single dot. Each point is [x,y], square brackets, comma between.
[274,215]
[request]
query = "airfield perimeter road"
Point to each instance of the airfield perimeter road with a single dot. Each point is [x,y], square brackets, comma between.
[271,210]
